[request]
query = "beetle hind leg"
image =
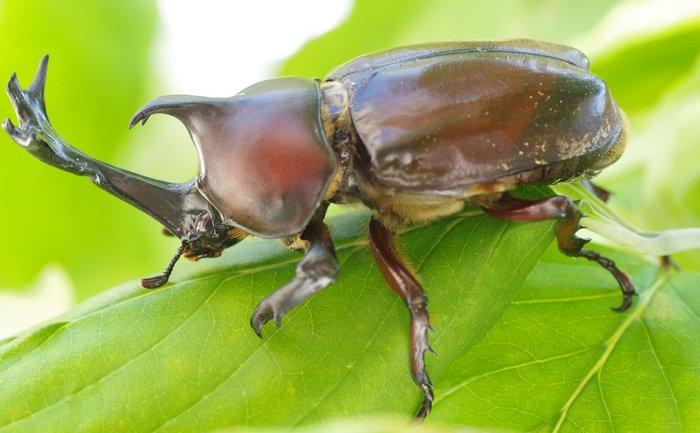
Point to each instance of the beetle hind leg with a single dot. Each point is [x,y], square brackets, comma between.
[404,283]
[566,213]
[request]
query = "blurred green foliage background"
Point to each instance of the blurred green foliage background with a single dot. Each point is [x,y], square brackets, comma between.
[102,71]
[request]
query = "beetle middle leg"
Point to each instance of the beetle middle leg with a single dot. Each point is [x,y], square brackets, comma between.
[405,284]
[317,269]
[568,216]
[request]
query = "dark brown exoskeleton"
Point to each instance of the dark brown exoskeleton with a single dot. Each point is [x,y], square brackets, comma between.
[413,133]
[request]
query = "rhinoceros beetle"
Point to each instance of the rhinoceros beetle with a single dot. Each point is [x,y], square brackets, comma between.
[413,133]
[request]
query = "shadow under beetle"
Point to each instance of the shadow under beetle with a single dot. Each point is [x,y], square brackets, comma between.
[413,133]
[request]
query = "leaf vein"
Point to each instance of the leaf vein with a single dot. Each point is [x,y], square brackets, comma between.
[663,373]
[232,375]
[443,395]
[611,343]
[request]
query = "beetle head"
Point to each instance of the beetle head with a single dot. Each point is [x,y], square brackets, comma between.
[208,238]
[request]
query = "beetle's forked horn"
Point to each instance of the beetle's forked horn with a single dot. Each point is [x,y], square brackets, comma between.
[174,205]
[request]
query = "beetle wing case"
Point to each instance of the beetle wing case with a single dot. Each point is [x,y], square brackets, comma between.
[368,62]
[438,118]
[265,159]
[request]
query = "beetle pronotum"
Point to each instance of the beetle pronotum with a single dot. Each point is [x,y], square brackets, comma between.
[413,133]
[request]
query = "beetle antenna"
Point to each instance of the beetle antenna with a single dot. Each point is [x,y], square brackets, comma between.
[157,281]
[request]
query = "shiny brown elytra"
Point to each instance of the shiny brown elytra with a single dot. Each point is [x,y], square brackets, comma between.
[413,133]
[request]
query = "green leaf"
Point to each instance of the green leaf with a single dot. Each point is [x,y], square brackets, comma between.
[184,357]
[558,360]
[377,424]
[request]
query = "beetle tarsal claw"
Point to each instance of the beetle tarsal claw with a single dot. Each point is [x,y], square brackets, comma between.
[284,299]
[257,324]
[274,307]
[623,280]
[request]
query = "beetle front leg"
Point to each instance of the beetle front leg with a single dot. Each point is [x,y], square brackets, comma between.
[568,216]
[405,284]
[317,269]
